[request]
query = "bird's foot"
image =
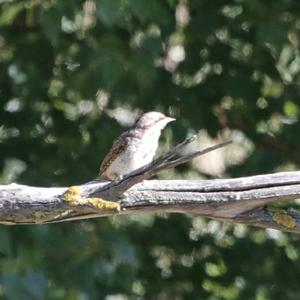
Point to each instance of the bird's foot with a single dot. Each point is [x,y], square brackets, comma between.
[120,177]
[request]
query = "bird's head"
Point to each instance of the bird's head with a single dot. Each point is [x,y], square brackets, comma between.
[153,119]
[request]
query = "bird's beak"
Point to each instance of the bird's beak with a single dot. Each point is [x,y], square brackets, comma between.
[169,119]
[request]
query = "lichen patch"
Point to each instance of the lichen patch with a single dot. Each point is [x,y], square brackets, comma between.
[73,195]
[283,219]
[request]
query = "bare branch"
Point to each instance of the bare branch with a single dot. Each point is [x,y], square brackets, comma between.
[236,200]
[284,220]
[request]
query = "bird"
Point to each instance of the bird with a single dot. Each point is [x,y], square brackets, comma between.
[135,147]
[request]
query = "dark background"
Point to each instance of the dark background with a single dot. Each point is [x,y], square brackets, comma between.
[75,74]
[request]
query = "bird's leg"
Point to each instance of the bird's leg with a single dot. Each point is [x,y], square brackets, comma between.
[120,177]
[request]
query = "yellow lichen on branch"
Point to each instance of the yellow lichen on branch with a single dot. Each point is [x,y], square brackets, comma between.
[73,196]
[283,219]
[103,204]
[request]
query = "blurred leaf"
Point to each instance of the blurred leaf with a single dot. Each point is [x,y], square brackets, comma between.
[109,11]
[9,13]
[51,24]
[273,36]
[31,285]
[291,109]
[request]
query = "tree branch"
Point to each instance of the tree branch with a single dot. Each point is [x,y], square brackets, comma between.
[236,200]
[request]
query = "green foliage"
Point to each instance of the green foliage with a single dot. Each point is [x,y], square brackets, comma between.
[65,69]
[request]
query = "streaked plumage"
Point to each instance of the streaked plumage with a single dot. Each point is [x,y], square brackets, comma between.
[135,147]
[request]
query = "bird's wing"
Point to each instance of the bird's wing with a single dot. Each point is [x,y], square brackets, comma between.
[119,145]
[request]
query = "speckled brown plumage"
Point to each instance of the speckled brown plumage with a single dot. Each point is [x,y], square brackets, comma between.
[135,147]
[119,145]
